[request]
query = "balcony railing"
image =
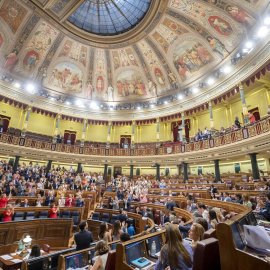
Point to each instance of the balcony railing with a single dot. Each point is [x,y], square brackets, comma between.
[249,131]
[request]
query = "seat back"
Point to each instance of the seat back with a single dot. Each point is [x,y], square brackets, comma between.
[96,216]
[211,233]
[18,216]
[113,219]
[46,248]
[66,214]
[105,217]
[110,264]
[157,219]
[30,215]
[43,214]
[206,255]
[75,216]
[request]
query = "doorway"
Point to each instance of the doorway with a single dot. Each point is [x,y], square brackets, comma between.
[117,171]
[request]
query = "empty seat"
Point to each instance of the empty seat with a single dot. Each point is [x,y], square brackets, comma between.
[113,219]
[66,214]
[43,214]
[96,216]
[206,255]
[132,208]
[110,264]
[75,215]
[157,219]
[30,215]
[157,211]
[18,216]
[105,217]
[46,248]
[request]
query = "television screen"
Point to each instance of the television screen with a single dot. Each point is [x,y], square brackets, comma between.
[135,251]
[74,261]
[113,246]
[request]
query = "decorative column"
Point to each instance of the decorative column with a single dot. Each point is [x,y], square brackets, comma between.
[49,165]
[16,163]
[217,170]
[243,100]
[211,117]
[56,128]
[133,134]
[183,127]
[83,135]
[254,165]
[109,135]
[185,172]
[157,144]
[105,174]
[131,172]
[25,124]
[79,168]
[157,172]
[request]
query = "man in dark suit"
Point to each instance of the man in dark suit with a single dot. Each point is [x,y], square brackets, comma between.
[163,217]
[149,214]
[120,194]
[83,238]
[49,200]
[121,217]
[190,206]
[80,201]
[25,203]
[126,204]
[171,204]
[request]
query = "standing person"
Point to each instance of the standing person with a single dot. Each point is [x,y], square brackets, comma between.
[69,200]
[176,253]
[83,238]
[9,211]
[4,200]
[53,211]
[116,203]
[116,232]
[101,251]
[22,246]
[103,234]
[251,118]
[130,229]
[212,217]
[237,123]
[110,203]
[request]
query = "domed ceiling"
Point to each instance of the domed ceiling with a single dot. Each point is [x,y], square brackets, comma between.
[82,49]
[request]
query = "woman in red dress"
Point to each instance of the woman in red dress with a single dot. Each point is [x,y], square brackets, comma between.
[4,200]
[69,201]
[9,211]
[53,211]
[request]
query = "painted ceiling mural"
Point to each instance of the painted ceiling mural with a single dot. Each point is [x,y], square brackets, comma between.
[185,42]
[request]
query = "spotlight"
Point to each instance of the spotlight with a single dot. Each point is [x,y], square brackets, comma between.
[138,108]
[180,97]
[262,32]
[17,85]
[249,45]
[111,108]
[67,102]
[267,21]
[165,102]
[195,90]
[52,98]
[210,81]
[227,69]
[30,88]
[152,105]
[78,103]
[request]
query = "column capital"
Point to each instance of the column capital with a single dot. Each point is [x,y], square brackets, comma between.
[182,113]
[58,115]
[209,103]
[133,122]
[110,123]
[253,154]
[240,85]
[157,119]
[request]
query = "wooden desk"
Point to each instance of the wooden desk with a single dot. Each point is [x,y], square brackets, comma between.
[9,265]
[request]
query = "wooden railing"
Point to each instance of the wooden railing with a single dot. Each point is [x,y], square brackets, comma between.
[249,131]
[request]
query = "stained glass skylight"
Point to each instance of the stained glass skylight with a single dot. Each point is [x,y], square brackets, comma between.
[109,17]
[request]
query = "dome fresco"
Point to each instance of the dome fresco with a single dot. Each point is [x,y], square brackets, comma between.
[109,17]
[186,40]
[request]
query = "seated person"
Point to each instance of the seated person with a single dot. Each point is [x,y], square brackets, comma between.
[196,234]
[80,201]
[265,212]
[23,246]
[101,252]
[176,253]
[35,252]
[124,237]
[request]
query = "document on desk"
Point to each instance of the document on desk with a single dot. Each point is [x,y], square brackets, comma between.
[256,237]
[6,257]
[16,261]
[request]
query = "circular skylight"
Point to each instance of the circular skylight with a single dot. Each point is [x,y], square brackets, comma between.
[109,17]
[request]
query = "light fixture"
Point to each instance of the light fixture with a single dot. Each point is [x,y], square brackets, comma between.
[227,69]
[165,102]
[79,103]
[138,108]
[67,102]
[52,98]
[249,45]
[152,105]
[111,108]
[195,90]
[30,88]
[180,97]
[17,85]
[262,31]
[210,81]
[267,21]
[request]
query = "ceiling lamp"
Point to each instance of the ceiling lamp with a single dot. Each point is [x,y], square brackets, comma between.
[210,81]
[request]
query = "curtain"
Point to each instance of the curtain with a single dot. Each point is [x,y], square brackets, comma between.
[6,121]
[72,135]
[174,129]
[256,113]
[124,138]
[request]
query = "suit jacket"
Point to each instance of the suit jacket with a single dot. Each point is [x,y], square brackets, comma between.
[193,206]
[83,239]
[171,205]
[150,215]
[122,217]
[120,194]
[25,204]
[49,200]
[228,199]
[79,203]
[165,219]
[128,205]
